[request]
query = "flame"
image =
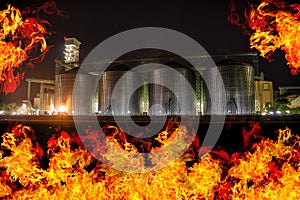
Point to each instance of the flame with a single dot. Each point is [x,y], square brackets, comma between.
[18,38]
[273,25]
[271,171]
[266,169]
[22,42]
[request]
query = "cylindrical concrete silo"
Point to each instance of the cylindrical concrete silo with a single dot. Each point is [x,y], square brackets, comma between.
[238,97]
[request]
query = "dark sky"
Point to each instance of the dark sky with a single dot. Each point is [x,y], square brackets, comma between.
[93,21]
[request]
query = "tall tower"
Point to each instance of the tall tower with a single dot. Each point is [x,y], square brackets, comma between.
[65,74]
[72,47]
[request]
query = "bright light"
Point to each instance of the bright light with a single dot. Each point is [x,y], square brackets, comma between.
[14,113]
[62,108]
[24,105]
[198,103]
[1,112]
[128,111]
[52,107]
[271,113]
[278,112]
[264,113]
[288,111]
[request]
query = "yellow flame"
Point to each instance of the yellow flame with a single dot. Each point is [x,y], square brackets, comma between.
[18,37]
[270,170]
[277,28]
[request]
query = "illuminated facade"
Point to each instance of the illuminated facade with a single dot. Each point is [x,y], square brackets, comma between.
[71,52]
[263,94]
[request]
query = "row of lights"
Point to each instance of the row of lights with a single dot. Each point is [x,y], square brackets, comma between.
[278,112]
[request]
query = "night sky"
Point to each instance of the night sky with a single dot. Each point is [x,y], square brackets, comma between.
[94,21]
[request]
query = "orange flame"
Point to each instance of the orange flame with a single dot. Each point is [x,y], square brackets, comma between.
[22,42]
[266,169]
[18,38]
[273,25]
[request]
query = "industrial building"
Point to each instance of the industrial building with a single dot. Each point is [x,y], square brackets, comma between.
[43,103]
[65,74]
[264,97]
[238,98]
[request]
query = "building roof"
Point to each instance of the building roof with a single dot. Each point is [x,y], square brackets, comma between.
[296,102]
[72,41]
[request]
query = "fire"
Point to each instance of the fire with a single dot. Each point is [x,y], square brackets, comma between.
[273,25]
[22,42]
[265,169]
[18,38]
[271,171]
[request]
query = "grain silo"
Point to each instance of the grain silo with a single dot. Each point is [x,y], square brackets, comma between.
[107,83]
[238,97]
[81,103]
[180,101]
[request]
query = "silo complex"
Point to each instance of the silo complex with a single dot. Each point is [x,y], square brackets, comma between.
[77,104]
[173,89]
[179,101]
[238,97]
